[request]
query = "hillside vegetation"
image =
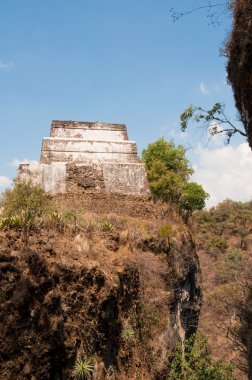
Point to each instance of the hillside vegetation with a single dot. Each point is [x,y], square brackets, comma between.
[224,244]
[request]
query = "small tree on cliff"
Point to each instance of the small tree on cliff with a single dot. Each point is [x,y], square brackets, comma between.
[168,172]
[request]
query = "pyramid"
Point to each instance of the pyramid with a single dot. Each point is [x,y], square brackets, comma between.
[92,156]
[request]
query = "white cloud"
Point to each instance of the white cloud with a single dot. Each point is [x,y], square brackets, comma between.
[203,89]
[6,65]
[225,172]
[17,162]
[4,182]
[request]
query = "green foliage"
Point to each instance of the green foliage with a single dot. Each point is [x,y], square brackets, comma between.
[83,369]
[165,185]
[166,231]
[193,197]
[168,172]
[15,221]
[24,203]
[167,157]
[234,256]
[70,216]
[218,242]
[213,120]
[193,362]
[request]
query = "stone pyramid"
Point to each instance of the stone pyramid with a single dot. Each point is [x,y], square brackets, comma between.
[95,157]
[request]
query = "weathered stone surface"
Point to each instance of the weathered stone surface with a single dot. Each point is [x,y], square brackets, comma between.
[125,178]
[88,177]
[96,157]
[80,150]
[50,176]
[89,131]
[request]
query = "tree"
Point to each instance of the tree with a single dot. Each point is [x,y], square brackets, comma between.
[168,172]
[238,52]
[168,157]
[214,120]
[214,10]
[193,197]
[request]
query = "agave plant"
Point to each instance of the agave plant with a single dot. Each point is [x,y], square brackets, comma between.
[14,221]
[107,226]
[83,369]
[128,334]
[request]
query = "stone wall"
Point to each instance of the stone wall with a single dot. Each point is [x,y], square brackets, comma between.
[82,151]
[129,178]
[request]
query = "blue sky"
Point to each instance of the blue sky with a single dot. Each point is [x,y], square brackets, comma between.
[119,61]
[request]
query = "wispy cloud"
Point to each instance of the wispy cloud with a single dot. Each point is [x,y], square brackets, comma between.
[6,65]
[203,89]
[211,88]
[16,162]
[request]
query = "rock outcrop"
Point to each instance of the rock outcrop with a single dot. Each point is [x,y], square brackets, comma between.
[239,50]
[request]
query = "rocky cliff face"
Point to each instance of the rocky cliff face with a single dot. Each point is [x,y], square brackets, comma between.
[240,62]
[118,293]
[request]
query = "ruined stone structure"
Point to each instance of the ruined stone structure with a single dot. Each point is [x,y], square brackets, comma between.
[96,157]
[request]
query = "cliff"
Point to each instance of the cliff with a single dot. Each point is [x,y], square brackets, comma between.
[119,286]
[239,66]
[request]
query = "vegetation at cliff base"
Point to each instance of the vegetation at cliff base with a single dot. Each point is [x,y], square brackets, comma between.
[194,362]
[223,237]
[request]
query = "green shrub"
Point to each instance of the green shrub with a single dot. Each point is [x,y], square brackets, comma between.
[217,242]
[25,203]
[166,231]
[234,256]
[193,362]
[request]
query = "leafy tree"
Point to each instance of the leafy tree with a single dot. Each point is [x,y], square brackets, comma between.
[168,172]
[193,362]
[168,157]
[193,197]
[214,120]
